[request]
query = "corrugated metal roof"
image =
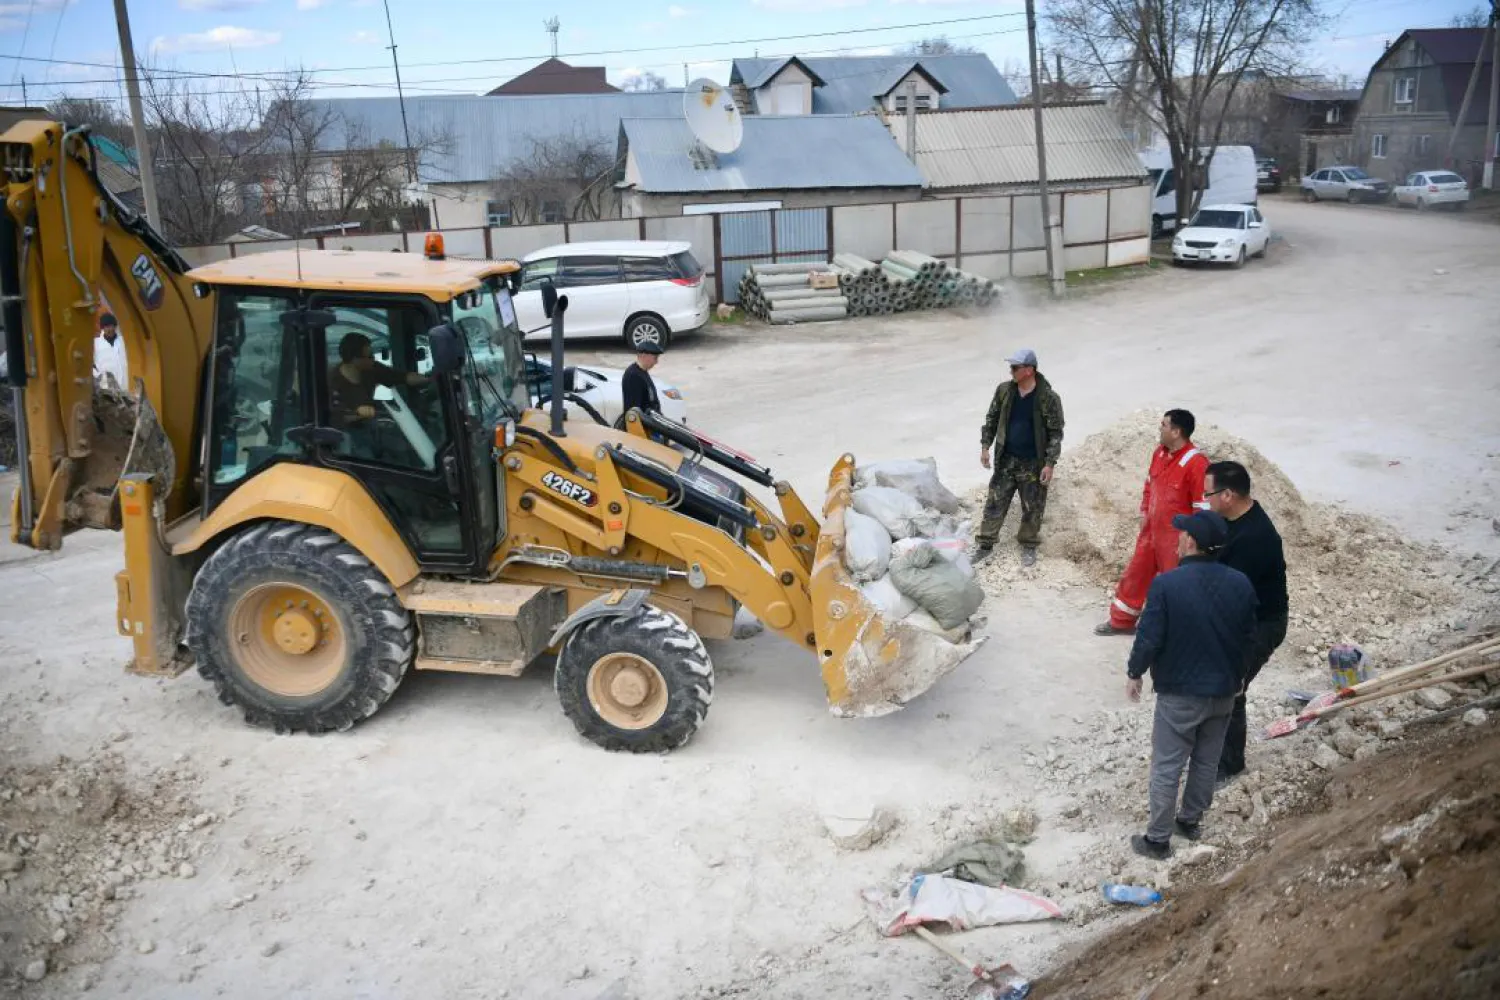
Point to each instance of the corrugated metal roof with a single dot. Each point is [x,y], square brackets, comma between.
[487,133]
[997,146]
[778,153]
[851,83]
[1323,95]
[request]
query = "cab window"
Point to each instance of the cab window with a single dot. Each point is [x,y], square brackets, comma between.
[256,386]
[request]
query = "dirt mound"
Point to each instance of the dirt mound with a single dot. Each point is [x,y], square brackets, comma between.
[1351,577]
[1390,887]
[75,837]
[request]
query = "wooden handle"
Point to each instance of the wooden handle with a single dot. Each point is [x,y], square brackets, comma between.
[1407,688]
[932,939]
[1418,669]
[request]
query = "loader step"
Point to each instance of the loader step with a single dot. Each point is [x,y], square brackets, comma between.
[482,628]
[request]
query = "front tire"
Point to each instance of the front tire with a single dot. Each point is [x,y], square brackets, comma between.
[1239,261]
[1310,196]
[641,682]
[1421,204]
[296,628]
[646,330]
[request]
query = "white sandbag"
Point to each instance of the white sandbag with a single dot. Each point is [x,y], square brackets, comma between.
[956,551]
[936,584]
[916,477]
[924,621]
[867,546]
[893,604]
[901,515]
[938,899]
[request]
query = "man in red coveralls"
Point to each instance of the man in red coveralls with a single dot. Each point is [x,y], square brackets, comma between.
[1173,486]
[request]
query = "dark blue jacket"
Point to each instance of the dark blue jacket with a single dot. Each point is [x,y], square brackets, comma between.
[1192,636]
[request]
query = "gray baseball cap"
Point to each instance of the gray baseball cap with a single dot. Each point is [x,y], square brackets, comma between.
[1025,356]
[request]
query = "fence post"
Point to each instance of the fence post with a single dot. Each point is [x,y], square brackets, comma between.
[489,250]
[232,254]
[958,233]
[774,216]
[894,235]
[640,227]
[828,213]
[718,262]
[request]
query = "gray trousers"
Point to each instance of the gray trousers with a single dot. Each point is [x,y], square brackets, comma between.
[1188,732]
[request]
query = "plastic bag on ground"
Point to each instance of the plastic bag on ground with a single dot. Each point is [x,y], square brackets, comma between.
[901,515]
[936,584]
[937,899]
[893,604]
[867,546]
[916,477]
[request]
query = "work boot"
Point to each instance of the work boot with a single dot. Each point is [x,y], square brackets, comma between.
[1148,848]
[1192,831]
[982,554]
[1108,628]
[1028,555]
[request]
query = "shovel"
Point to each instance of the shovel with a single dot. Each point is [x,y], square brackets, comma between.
[1002,982]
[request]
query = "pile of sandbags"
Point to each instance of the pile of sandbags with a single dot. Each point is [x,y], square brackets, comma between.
[904,544]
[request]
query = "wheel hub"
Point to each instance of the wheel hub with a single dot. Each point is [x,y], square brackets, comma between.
[295,632]
[627,691]
[287,639]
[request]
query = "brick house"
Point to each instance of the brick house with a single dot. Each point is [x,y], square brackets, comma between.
[1411,103]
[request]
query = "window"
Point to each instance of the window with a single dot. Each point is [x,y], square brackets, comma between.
[687,265]
[534,271]
[1415,180]
[1406,92]
[1422,143]
[1321,175]
[649,269]
[1377,146]
[257,394]
[924,102]
[554,211]
[1333,115]
[1213,218]
[583,272]
[497,213]
[1168,183]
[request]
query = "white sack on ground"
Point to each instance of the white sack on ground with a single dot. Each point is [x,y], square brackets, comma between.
[938,899]
[924,621]
[916,477]
[893,604]
[939,586]
[867,546]
[902,516]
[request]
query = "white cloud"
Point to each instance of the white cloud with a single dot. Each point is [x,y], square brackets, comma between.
[310,4]
[364,38]
[24,9]
[676,11]
[220,5]
[223,37]
[805,6]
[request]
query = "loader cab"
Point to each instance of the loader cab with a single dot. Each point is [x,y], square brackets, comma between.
[398,377]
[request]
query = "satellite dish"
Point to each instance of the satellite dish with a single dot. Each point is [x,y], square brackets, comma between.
[712,115]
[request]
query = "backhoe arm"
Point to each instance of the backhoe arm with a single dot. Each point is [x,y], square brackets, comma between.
[69,250]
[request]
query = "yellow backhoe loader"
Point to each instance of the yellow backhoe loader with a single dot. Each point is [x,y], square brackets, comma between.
[307,523]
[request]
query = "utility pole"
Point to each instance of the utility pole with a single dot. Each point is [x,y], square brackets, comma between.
[1463,105]
[411,172]
[1049,223]
[25,100]
[137,117]
[1492,123]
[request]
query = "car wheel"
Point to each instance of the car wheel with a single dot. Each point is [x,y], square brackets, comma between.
[1156,227]
[1351,196]
[1421,204]
[1240,260]
[1262,253]
[646,330]
[1309,195]
[1460,206]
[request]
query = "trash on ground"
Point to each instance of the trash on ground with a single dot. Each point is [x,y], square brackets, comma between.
[1134,895]
[937,899]
[988,862]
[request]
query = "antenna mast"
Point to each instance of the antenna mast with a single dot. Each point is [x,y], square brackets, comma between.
[552,24]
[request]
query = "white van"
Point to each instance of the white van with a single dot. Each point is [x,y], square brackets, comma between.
[1231,181]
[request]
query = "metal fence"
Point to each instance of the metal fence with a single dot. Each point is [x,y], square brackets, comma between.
[997,236]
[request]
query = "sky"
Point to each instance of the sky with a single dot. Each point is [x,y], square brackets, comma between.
[468,46]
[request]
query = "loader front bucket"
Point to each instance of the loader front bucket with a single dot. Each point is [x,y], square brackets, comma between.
[871,666]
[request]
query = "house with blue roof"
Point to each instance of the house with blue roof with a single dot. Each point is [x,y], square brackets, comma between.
[846,85]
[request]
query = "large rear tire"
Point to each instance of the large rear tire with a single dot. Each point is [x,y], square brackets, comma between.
[641,682]
[297,629]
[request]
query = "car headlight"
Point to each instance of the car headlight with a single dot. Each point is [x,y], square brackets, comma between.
[1228,243]
[1177,241]
[672,393]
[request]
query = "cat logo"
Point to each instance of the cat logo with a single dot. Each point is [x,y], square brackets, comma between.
[566,487]
[152,290]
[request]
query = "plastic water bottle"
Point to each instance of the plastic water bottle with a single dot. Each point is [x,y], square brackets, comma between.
[1135,895]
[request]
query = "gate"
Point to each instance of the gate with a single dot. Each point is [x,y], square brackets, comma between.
[778,236]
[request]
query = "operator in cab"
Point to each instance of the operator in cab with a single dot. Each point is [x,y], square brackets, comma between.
[636,386]
[353,381]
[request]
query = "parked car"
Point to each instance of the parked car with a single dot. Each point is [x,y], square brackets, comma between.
[1231,179]
[1267,174]
[596,393]
[1349,184]
[642,291]
[1222,234]
[1433,187]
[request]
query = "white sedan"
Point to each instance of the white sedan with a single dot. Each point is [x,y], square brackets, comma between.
[600,391]
[1222,234]
[1433,187]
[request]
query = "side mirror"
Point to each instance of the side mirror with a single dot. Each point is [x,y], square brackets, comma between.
[1255,225]
[549,297]
[447,348]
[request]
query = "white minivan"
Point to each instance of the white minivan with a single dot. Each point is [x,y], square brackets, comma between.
[642,291]
[1231,181]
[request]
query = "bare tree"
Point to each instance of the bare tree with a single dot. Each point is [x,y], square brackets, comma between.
[643,81]
[1181,63]
[570,171]
[103,117]
[1476,17]
[938,45]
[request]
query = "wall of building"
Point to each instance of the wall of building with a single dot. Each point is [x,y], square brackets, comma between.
[927,95]
[787,93]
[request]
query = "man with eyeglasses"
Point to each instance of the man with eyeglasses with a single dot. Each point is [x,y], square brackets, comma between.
[1024,425]
[1254,548]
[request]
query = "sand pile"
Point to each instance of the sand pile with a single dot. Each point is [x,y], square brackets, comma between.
[1351,577]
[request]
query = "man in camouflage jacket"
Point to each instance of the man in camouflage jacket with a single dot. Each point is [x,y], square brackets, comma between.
[1025,427]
